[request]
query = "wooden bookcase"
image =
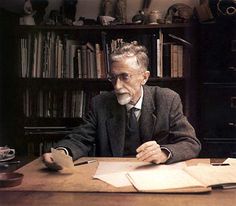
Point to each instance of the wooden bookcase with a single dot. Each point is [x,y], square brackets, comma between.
[48,97]
[217,104]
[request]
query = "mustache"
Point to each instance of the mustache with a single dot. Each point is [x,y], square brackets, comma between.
[121,91]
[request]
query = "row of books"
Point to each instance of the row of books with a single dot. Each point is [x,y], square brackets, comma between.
[49,55]
[172,60]
[56,104]
[167,57]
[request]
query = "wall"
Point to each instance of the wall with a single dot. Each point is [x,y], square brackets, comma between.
[133,6]
[90,8]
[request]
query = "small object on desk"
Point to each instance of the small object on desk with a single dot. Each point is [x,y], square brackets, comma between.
[10,179]
[11,162]
[9,157]
[85,162]
[220,164]
[6,164]
[6,153]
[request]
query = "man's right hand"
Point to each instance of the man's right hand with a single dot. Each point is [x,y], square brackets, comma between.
[49,162]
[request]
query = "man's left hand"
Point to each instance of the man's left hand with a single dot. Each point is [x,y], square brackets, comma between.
[151,152]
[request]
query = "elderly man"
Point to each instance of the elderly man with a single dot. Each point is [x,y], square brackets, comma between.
[134,119]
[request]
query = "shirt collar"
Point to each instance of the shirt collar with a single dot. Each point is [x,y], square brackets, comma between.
[138,105]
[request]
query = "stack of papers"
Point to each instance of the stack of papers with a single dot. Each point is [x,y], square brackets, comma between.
[190,177]
[147,177]
[115,173]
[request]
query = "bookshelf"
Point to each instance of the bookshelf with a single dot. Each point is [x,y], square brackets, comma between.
[217,108]
[60,68]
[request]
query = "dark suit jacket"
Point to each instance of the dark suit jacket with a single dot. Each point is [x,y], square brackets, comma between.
[161,120]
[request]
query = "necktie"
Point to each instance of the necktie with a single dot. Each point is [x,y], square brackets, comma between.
[132,139]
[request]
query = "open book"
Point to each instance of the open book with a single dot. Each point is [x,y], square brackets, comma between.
[196,178]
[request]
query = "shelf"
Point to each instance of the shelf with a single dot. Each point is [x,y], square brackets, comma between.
[28,28]
[98,30]
[98,84]
[51,121]
[219,84]
[53,130]
[89,80]
[219,140]
[53,102]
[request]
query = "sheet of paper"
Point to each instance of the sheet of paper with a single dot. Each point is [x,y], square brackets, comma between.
[162,180]
[114,167]
[65,161]
[115,173]
[117,179]
[213,175]
[231,161]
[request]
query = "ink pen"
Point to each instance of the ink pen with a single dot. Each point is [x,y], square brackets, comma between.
[85,162]
[220,164]
[6,164]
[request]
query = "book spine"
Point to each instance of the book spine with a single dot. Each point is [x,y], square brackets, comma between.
[154,55]
[105,49]
[160,62]
[98,60]
[180,61]
[79,64]
[84,61]
[167,60]
[174,61]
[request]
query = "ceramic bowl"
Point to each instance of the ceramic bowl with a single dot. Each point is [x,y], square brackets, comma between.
[10,179]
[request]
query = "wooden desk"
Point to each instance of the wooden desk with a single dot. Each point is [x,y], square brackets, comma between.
[36,196]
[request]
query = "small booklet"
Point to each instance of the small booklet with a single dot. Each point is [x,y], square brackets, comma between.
[191,178]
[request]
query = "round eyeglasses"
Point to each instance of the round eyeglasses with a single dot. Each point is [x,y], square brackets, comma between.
[124,77]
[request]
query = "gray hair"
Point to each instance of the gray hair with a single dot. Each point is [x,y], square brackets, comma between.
[131,51]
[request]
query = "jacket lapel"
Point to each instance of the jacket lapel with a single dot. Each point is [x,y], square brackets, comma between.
[116,130]
[116,123]
[148,118]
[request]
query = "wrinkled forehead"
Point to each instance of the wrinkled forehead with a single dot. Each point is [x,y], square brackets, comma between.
[130,62]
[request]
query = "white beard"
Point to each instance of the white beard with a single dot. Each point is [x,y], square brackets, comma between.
[123,98]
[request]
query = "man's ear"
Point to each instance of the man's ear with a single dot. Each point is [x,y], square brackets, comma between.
[146,75]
